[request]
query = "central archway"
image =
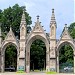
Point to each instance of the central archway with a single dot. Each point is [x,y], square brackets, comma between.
[38,56]
[29,42]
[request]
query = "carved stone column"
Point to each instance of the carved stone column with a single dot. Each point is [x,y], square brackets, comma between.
[47,61]
[53,60]
[2,63]
[27,62]
[21,59]
[18,60]
[57,63]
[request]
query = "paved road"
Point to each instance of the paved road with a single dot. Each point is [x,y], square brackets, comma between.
[31,73]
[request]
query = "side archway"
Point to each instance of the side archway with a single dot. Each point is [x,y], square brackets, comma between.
[61,44]
[28,45]
[3,49]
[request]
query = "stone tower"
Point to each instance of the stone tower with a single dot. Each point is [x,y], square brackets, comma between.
[53,42]
[22,42]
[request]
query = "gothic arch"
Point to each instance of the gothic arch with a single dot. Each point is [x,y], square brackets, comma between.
[33,38]
[60,44]
[65,42]
[9,43]
[4,46]
[29,42]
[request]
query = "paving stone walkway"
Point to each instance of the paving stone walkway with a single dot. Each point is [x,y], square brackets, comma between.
[32,73]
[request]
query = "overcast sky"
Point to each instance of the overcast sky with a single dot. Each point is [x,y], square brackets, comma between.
[64,11]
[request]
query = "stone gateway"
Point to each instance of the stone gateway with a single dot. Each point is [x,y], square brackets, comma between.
[24,43]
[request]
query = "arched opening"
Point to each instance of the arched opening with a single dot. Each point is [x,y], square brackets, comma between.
[38,56]
[66,59]
[29,43]
[10,58]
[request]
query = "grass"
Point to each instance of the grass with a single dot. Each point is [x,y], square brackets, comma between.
[36,70]
[51,72]
[20,71]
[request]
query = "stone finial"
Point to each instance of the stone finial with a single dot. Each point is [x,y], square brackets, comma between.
[53,20]
[53,15]
[37,16]
[23,11]
[23,16]
[65,26]
[52,10]
[10,28]
[37,19]
[23,19]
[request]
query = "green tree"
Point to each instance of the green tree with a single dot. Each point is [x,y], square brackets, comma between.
[11,56]
[12,16]
[66,54]
[0,15]
[71,30]
[66,51]
[38,55]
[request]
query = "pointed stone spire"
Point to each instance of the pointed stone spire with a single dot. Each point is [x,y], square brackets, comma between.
[53,20]
[37,18]
[53,15]
[10,28]
[64,30]
[65,27]
[37,22]
[23,19]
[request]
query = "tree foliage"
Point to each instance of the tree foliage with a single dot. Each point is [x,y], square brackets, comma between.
[71,29]
[12,16]
[66,54]
[11,56]
[38,54]
[66,51]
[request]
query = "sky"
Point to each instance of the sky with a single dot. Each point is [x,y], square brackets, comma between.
[64,11]
[74,10]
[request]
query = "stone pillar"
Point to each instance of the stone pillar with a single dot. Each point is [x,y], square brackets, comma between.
[47,62]
[2,63]
[53,27]
[53,60]
[57,63]
[17,60]
[27,62]
[21,66]
[53,65]
[23,34]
